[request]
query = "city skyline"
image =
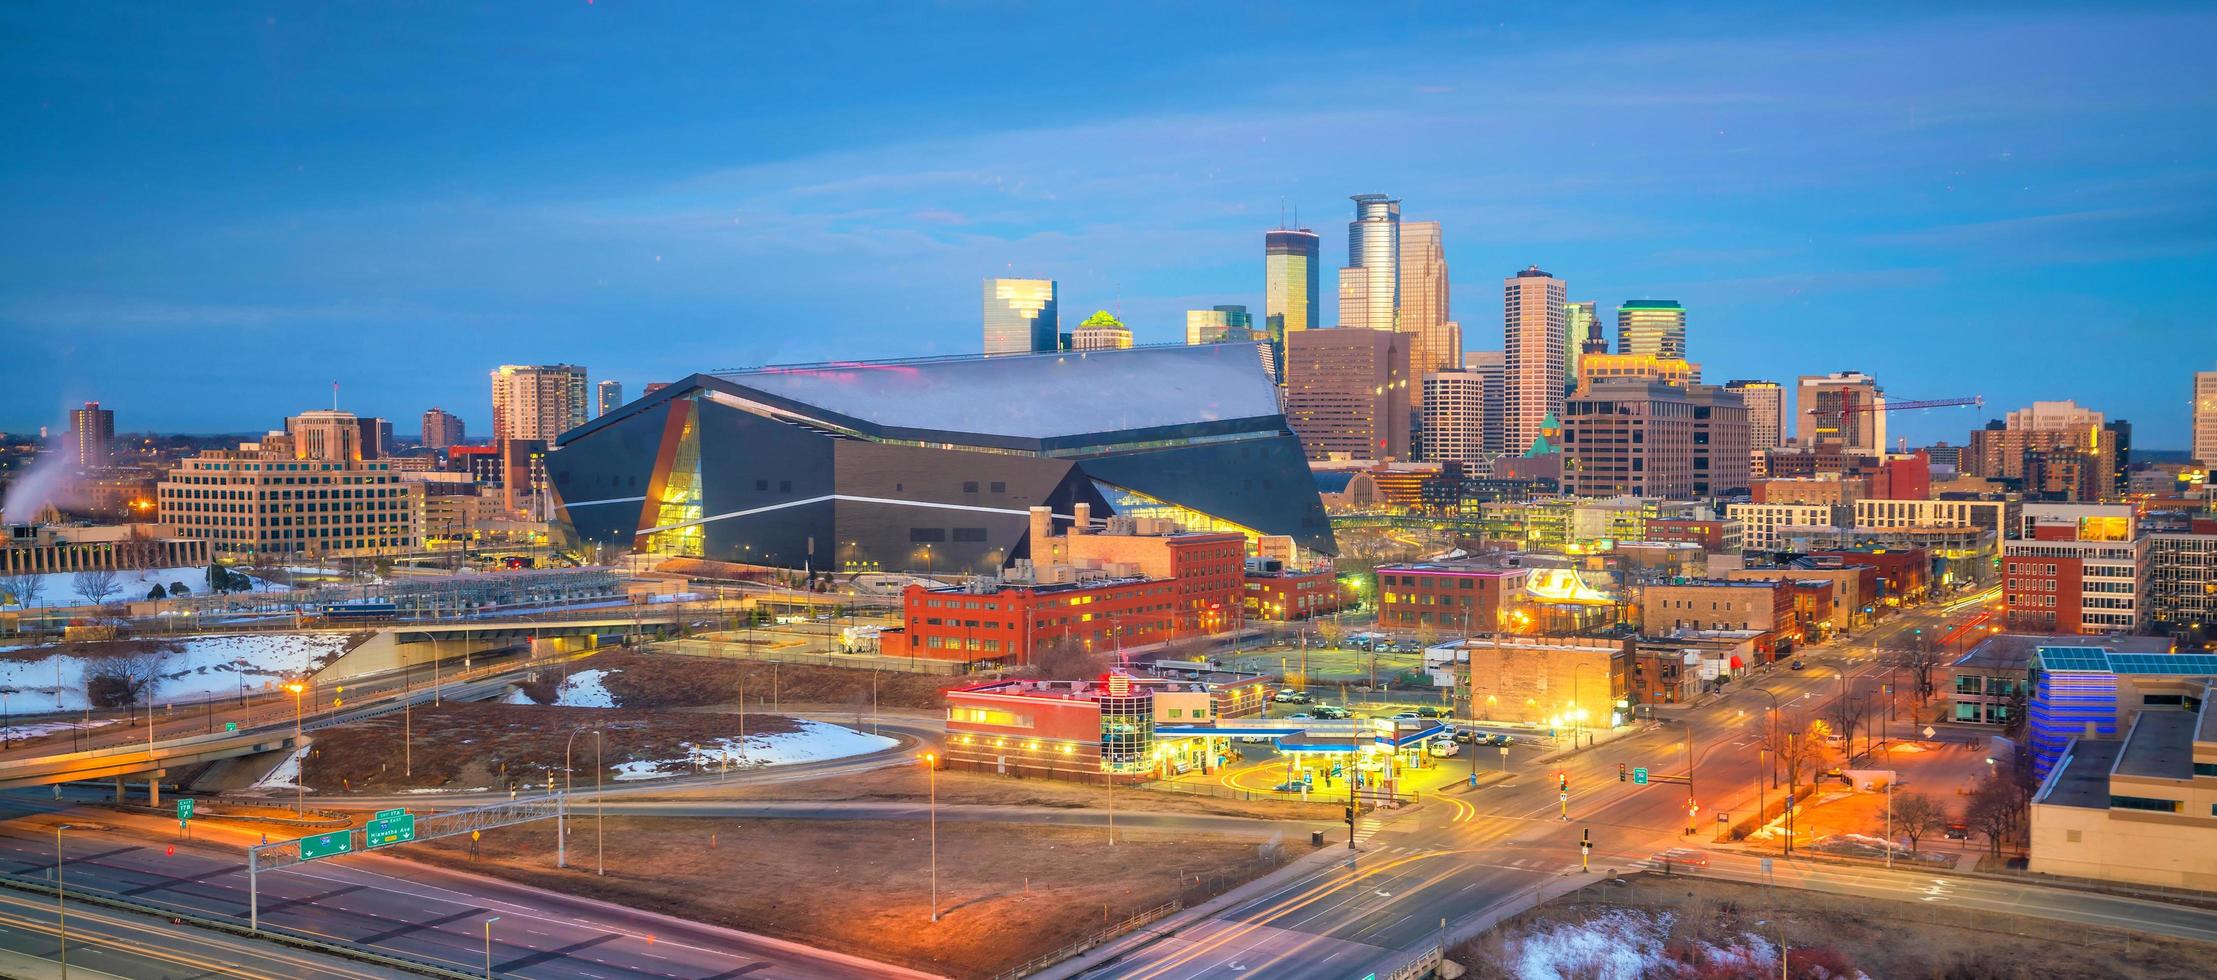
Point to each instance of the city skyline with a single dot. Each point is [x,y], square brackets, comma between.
[2018,189]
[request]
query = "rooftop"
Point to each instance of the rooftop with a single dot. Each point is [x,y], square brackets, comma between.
[2096,659]
[1460,566]
[2083,778]
[2014,651]
[2160,745]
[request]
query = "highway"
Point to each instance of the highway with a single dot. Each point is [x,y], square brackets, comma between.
[128,944]
[1471,858]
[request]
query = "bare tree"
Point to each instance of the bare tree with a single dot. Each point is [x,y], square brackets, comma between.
[112,682]
[1330,632]
[1064,658]
[97,585]
[1916,815]
[24,587]
[1919,660]
[1993,811]
[1845,716]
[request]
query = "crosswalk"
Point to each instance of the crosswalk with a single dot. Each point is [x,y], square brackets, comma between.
[1367,827]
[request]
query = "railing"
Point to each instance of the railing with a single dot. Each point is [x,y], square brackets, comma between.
[859,661]
[1232,793]
[1097,939]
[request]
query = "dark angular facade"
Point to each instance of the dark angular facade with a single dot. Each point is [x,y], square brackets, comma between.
[933,465]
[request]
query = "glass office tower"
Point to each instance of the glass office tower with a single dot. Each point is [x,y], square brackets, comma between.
[1021,316]
[1289,287]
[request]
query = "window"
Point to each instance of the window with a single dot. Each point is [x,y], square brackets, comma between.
[927,534]
[969,486]
[997,487]
[974,534]
[763,485]
[2143,803]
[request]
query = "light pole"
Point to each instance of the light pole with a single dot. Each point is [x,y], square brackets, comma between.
[61,907]
[299,768]
[931,775]
[7,722]
[1577,687]
[1774,732]
[561,841]
[600,852]
[489,946]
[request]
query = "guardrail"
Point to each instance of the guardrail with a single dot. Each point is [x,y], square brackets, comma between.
[1097,939]
[283,937]
[854,661]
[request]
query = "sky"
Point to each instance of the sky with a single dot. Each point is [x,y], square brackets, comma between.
[214,211]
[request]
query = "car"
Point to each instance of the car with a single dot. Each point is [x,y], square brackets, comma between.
[1682,856]
[1286,696]
[1442,748]
[1465,736]
[1958,831]
[1500,739]
[1330,712]
[1298,716]
[1429,712]
[1796,665]
[1405,716]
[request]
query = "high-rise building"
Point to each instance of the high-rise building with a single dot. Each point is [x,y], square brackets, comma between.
[609,394]
[1346,393]
[1723,463]
[1628,436]
[1487,364]
[1370,285]
[2053,415]
[2075,569]
[1289,300]
[1021,316]
[326,436]
[1655,327]
[1580,324]
[441,429]
[376,437]
[297,492]
[2205,417]
[2053,451]
[1533,358]
[1217,323]
[537,401]
[1845,410]
[91,435]
[1436,342]
[1101,331]
[1669,370]
[1455,415]
[1766,418]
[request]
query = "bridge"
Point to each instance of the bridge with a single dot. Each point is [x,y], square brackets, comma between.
[151,760]
[399,648]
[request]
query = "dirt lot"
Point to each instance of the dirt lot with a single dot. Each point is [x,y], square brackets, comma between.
[1007,892]
[908,783]
[482,745]
[1678,927]
[670,680]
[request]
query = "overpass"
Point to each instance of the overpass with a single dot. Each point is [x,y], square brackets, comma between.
[400,648]
[151,760]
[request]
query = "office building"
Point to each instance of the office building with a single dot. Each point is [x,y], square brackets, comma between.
[1370,285]
[537,401]
[91,435]
[932,464]
[1289,302]
[1101,331]
[298,493]
[1766,418]
[1346,393]
[1463,596]
[1764,526]
[1488,365]
[1021,316]
[2053,415]
[2182,579]
[1217,323]
[1654,327]
[1455,415]
[2141,809]
[1435,340]
[1533,357]
[441,429]
[1844,411]
[1642,367]
[1580,325]
[2076,568]
[1628,436]
[608,394]
[2204,420]
[1721,435]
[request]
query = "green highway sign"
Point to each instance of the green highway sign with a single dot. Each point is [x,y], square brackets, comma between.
[326,845]
[389,814]
[386,830]
[230,726]
[1639,775]
[184,809]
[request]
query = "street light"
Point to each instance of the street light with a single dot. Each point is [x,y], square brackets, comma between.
[489,946]
[931,775]
[299,770]
[561,858]
[61,909]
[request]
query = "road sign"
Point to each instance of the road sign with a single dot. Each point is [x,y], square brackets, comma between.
[389,814]
[1562,797]
[1639,775]
[1929,732]
[326,845]
[384,830]
[1766,865]
[1722,818]
[184,810]
[230,726]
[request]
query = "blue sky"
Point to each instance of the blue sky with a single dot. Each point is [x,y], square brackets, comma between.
[214,211]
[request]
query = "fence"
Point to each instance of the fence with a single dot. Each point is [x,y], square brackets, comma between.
[854,661]
[1089,942]
[1184,788]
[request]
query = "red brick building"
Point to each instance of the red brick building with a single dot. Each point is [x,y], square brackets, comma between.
[1904,574]
[1291,594]
[1469,596]
[1712,536]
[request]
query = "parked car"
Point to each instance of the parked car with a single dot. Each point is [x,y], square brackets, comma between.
[1330,711]
[1405,716]
[1430,712]
[1298,716]
[1466,736]
[1500,739]
[1442,747]
[1959,831]
[1286,696]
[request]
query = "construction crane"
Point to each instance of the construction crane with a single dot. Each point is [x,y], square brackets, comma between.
[1974,401]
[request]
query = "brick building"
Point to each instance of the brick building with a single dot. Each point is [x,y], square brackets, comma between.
[1715,605]
[1463,596]
[1290,594]
[1715,537]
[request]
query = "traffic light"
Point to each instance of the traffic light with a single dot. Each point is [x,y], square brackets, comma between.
[1562,781]
[1620,772]
[1350,814]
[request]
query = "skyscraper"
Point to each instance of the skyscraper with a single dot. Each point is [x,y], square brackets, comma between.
[1578,327]
[1346,393]
[326,436]
[1101,331]
[441,429]
[91,435]
[537,401]
[1370,286]
[2205,417]
[1766,418]
[1289,305]
[1532,355]
[1488,365]
[610,394]
[1455,415]
[1845,410]
[1655,327]
[1021,316]
[1436,342]
[1217,323]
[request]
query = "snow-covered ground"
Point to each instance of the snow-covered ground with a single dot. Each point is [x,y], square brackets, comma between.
[1630,944]
[286,774]
[44,728]
[813,741]
[60,588]
[206,665]
[582,690]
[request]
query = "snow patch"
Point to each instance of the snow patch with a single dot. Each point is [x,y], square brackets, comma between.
[584,689]
[287,773]
[205,666]
[813,741]
[60,588]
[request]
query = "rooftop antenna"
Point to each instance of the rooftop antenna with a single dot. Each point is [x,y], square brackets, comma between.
[334,395]
[1281,212]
